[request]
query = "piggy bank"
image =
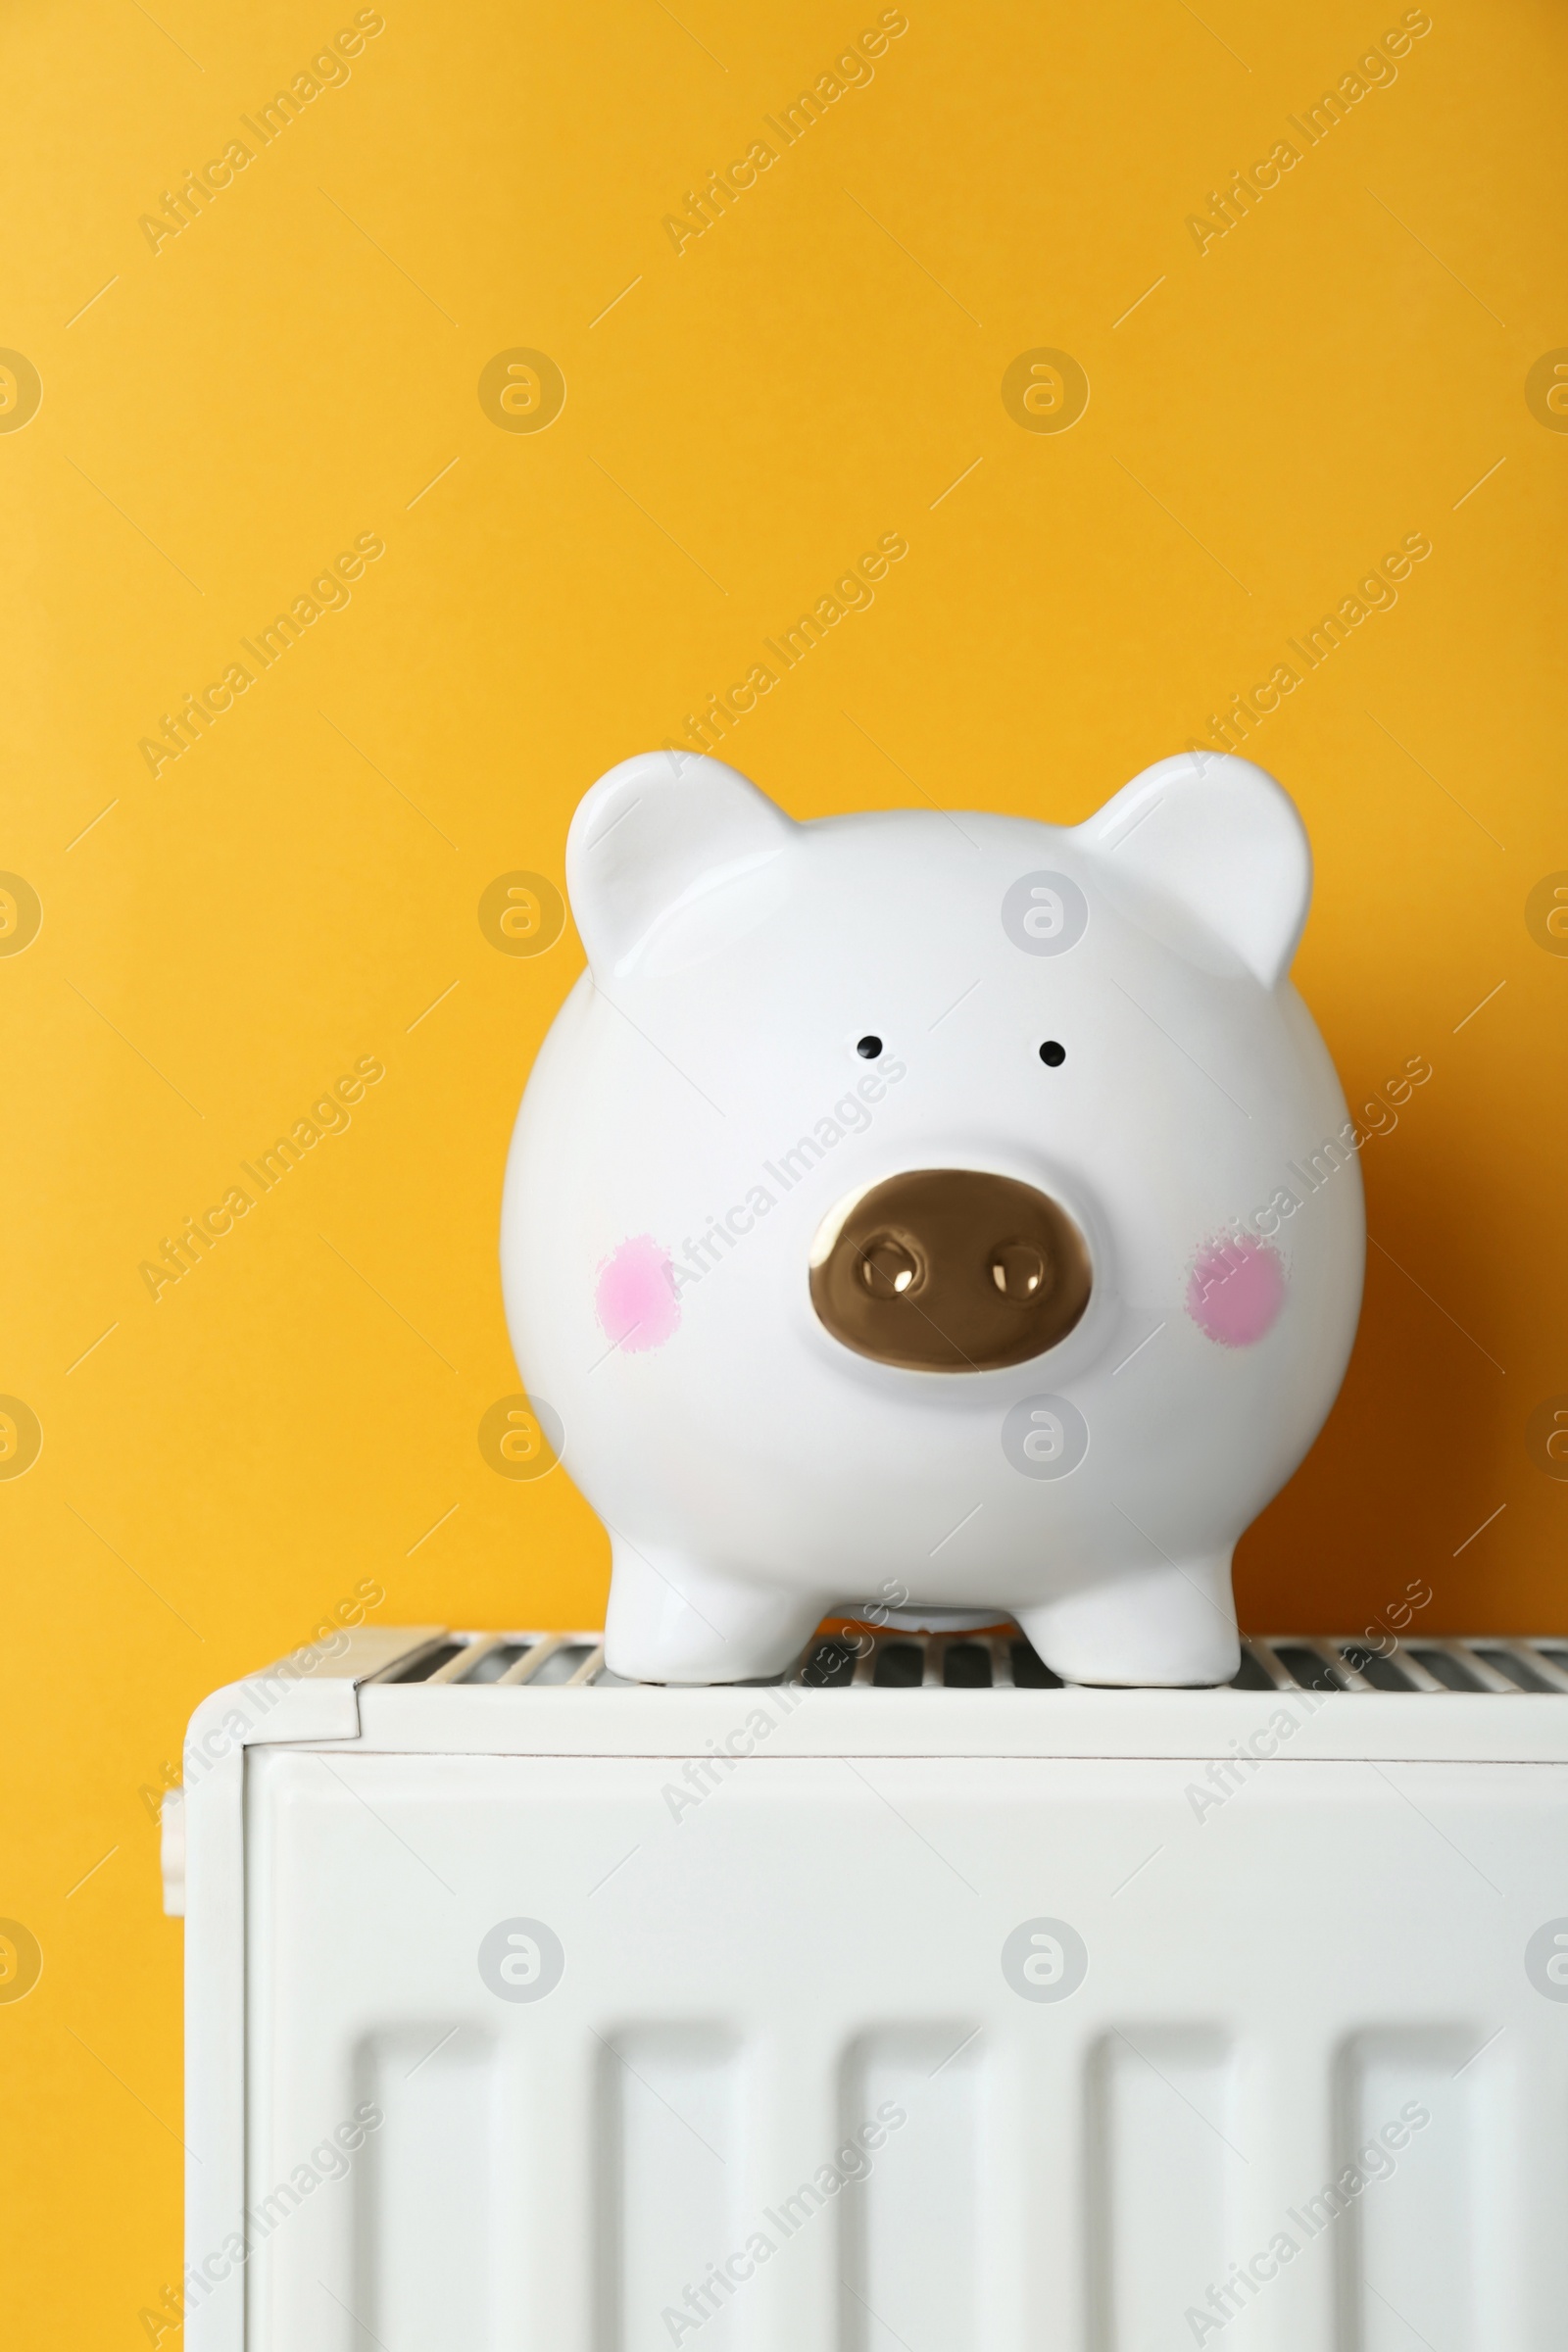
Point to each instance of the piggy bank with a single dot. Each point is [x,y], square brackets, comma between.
[932,1211]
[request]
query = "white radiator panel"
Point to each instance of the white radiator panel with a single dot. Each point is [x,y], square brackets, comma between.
[946,2052]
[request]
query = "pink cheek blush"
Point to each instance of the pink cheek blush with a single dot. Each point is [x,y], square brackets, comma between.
[635,1298]
[1235,1292]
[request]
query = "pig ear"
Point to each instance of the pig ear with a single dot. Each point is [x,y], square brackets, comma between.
[652,836]
[1221,838]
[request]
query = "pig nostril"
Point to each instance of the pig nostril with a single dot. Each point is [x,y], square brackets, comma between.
[1017,1270]
[888,1268]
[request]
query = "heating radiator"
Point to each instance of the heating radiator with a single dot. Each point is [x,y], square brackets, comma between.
[910,2000]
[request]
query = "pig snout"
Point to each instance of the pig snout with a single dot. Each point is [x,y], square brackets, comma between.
[950,1270]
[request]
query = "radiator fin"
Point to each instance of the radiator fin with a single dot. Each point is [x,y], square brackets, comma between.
[671,2172]
[1406,2238]
[424,2184]
[863,1656]
[1165,2171]
[910,2268]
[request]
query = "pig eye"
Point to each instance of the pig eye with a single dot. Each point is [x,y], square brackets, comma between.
[869,1048]
[1052,1055]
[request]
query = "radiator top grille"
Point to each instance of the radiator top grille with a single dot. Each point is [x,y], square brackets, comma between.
[852,1657]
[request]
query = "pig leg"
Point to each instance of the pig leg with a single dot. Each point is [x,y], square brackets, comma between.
[672,1620]
[1163,1626]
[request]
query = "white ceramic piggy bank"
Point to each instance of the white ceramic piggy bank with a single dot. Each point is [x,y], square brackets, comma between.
[950,1209]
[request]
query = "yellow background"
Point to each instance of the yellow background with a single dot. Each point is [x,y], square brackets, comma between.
[295,369]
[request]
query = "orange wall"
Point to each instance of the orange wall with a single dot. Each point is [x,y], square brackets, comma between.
[299,366]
